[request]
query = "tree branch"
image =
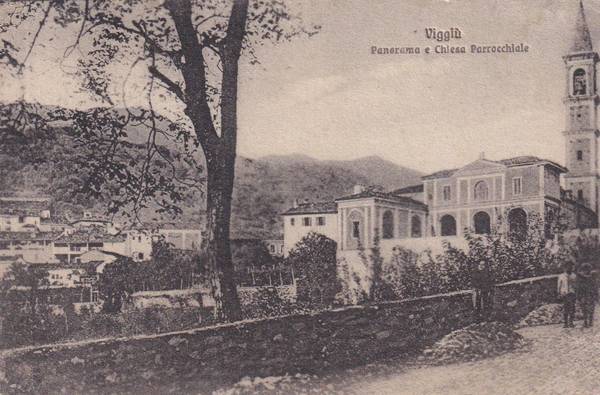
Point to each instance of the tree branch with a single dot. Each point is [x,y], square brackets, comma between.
[70,48]
[194,74]
[171,85]
[37,34]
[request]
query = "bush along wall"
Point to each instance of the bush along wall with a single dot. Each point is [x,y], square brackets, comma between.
[199,360]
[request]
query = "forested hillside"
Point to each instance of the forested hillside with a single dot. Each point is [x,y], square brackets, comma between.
[264,187]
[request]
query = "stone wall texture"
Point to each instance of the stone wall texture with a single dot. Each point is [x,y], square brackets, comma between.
[311,343]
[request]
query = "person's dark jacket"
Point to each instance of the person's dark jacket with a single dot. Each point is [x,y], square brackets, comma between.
[482,280]
[587,287]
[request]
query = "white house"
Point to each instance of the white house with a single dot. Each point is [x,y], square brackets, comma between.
[22,214]
[304,218]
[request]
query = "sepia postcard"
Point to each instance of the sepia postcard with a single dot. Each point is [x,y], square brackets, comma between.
[299,196]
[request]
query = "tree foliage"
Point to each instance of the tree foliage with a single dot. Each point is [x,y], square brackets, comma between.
[315,267]
[508,256]
[24,313]
[168,269]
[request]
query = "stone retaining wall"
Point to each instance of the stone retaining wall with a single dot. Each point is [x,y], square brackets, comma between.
[310,343]
[515,299]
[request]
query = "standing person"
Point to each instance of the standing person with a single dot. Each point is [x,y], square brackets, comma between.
[483,289]
[587,293]
[566,292]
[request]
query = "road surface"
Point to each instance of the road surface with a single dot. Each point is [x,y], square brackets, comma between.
[557,361]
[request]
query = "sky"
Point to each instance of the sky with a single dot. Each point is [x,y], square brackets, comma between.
[328,97]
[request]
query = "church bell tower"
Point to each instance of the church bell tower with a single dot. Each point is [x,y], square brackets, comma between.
[581,104]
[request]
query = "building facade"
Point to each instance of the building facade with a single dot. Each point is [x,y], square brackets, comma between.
[304,218]
[485,193]
[370,214]
[356,220]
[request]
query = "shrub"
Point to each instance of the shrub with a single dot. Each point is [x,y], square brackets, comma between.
[508,256]
[315,268]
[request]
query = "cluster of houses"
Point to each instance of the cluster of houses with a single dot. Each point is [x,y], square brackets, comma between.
[74,252]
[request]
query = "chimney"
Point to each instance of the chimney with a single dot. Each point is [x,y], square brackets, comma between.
[358,189]
[87,214]
[295,203]
[482,155]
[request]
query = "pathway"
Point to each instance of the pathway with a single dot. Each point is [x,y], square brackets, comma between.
[558,361]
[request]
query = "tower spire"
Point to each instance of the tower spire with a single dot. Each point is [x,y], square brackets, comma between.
[583,39]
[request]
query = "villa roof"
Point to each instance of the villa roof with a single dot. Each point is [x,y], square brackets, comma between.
[392,196]
[409,189]
[510,162]
[313,208]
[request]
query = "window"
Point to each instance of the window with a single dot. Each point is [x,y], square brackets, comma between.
[448,224]
[21,219]
[580,194]
[272,248]
[139,239]
[482,223]
[480,192]
[292,221]
[579,83]
[321,221]
[446,193]
[306,221]
[415,227]
[580,155]
[356,229]
[388,225]
[140,256]
[517,187]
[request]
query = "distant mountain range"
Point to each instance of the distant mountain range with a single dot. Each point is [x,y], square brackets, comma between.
[264,187]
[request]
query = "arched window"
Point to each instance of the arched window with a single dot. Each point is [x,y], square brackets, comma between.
[388,225]
[415,226]
[517,223]
[579,82]
[481,192]
[482,223]
[448,224]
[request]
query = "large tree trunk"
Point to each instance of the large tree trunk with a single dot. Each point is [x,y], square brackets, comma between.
[218,214]
[219,150]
